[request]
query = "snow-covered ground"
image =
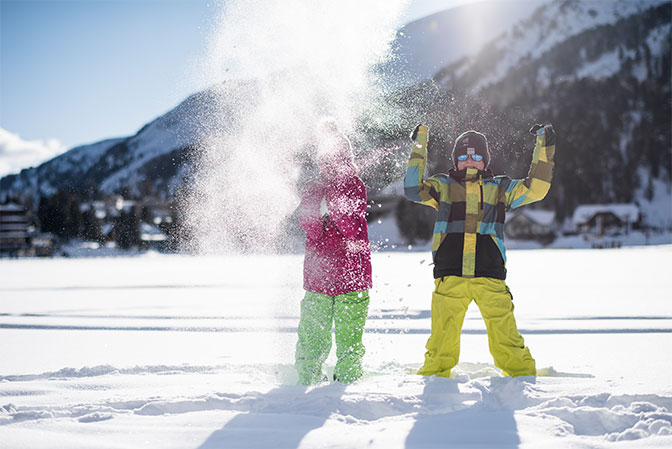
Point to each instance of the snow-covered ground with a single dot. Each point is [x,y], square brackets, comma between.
[196,352]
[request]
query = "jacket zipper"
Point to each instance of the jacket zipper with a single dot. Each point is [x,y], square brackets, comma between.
[480,184]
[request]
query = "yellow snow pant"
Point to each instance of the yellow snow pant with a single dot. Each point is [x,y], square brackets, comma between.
[450,300]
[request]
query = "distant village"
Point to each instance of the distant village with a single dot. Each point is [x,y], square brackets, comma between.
[61,225]
[598,225]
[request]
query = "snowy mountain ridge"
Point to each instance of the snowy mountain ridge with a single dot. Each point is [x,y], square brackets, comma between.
[424,46]
[157,152]
[77,160]
[548,26]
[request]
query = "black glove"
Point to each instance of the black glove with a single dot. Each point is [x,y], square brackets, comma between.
[549,135]
[414,134]
[535,128]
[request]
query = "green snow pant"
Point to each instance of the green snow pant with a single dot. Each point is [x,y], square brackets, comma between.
[347,313]
[450,300]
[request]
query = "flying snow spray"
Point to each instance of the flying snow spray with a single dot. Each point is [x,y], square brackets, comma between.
[277,69]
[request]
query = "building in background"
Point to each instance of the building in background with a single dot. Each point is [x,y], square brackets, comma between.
[530,224]
[152,237]
[600,220]
[42,244]
[14,240]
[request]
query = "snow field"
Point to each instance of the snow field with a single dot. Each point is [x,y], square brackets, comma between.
[197,352]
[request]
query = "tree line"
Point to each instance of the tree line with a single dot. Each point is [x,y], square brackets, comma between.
[64,215]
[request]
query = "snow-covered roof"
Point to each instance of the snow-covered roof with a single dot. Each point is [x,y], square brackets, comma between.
[625,212]
[150,233]
[12,207]
[15,235]
[539,216]
[542,217]
[9,226]
[95,205]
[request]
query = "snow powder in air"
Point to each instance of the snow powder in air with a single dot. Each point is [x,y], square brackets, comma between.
[303,60]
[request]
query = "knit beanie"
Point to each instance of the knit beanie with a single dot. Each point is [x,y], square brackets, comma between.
[471,142]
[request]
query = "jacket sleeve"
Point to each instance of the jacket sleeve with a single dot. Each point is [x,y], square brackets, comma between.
[347,207]
[416,187]
[538,181]
[309,210]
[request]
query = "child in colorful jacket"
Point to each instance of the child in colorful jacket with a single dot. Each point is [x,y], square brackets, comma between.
[337,264]
[468,245]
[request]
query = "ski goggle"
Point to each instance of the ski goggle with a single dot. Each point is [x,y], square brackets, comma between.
[474,157]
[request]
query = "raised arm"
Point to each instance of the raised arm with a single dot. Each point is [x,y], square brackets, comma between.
[416,187]
[538,181]
[309,210]
[347,206]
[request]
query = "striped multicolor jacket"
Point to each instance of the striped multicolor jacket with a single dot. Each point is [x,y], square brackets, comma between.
[469,230]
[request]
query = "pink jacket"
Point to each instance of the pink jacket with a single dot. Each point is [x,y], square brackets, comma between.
[338,257]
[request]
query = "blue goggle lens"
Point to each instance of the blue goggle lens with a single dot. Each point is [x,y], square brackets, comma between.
[474,157]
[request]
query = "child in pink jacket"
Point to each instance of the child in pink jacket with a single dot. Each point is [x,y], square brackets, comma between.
[337,264]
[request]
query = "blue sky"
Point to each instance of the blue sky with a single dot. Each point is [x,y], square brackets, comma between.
[81,71]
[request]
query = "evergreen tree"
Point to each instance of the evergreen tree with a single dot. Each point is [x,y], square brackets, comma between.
[60,215]
[91,228]
[127,229]
[146,215]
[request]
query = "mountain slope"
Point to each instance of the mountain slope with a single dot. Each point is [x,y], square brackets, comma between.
[423,47]
[154,158]
[548,26]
